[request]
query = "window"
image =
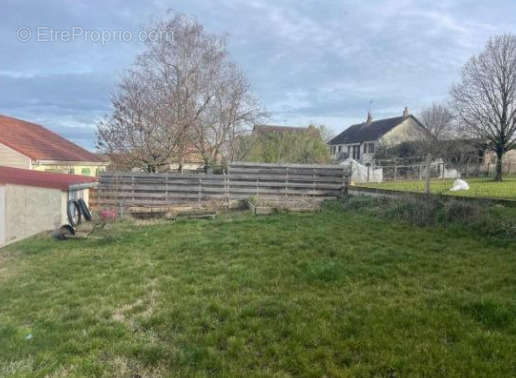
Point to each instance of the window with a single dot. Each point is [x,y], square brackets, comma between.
[340,148]
[85,171]
[365,148]
[349,150]
[371,148]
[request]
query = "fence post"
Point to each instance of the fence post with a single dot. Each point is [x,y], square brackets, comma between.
[166,188]
[226,194]
[229,183]
[199,192]
[286,185]
[132,187]
[313,182]
[345,182]
[395,172]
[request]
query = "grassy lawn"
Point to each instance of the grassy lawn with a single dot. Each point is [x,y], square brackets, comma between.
[479,187]
[331,294]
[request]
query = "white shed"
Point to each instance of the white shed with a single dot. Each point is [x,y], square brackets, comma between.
[32,202]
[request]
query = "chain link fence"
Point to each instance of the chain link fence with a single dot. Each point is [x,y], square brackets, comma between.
[398,175]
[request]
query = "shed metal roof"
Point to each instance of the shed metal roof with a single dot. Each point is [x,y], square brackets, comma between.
[17,176]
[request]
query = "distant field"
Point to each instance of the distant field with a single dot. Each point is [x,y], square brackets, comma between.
[479,187]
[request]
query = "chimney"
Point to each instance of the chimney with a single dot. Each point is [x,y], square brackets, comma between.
[369,118]
[405,113]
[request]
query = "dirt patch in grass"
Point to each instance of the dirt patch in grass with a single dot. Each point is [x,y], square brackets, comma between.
[142,307]
[121,367]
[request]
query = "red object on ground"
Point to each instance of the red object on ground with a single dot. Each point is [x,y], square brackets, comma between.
[28,177]
[107,215]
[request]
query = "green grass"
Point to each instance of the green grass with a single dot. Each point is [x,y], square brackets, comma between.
[329,294]
[479,187]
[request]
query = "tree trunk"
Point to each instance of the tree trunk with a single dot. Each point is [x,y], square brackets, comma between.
[499,155]
[428,161]
[181,159]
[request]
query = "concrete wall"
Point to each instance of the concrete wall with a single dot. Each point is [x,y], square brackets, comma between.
[2,215]
[31,210]
[12,158]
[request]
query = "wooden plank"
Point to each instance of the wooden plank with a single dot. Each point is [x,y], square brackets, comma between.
[156,188]
[275,197]
[164,183]
[159,176]
[233,179]
[282,172]
[286,190]
[190,202]
[108,203]
[320,185]
[282,165]
[307,178]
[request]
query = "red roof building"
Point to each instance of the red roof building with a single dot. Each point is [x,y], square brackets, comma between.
[31,146]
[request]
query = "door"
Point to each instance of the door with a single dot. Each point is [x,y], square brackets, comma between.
[356,152]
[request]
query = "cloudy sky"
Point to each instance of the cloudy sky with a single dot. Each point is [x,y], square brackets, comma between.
[308,61]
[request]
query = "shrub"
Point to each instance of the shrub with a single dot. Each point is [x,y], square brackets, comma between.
[433,211]
[463,212]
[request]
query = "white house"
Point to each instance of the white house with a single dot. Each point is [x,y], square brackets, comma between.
[360,141]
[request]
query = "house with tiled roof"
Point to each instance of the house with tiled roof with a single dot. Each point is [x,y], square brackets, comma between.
[30,146]
[360,141]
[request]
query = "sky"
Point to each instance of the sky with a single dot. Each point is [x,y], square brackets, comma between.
[322,62]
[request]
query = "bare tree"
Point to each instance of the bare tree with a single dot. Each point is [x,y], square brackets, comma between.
[134,135]
[226,118]
[485,99]
[437,123]
[182,92]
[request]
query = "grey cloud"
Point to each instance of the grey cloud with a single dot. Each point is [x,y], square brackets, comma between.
[309,61]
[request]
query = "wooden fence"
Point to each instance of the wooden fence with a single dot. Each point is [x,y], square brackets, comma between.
[243,180]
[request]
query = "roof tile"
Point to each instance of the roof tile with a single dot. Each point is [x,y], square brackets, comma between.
[364,132]
[39,143]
